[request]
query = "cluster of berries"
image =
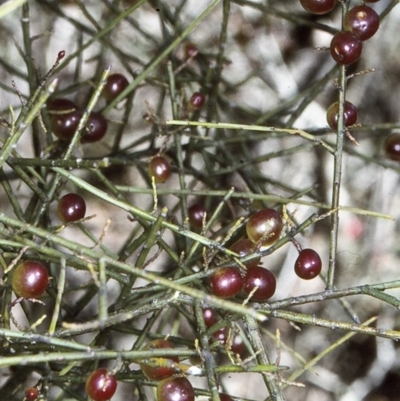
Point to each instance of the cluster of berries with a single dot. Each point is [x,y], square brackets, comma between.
[360,23]
[257,283]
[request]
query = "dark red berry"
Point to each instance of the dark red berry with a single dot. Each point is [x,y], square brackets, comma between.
[392,147]
[191,50]
[116,83]
[196,214]
[175,389]
[64,118]
[237,346]
[61,55]
[95,128]
[350,114]
[71,207]
[159,168]
[29,279]
[363,21]
[197,100]
[245,247]
[221,335]
[318,6]
[308,264]
[159,372]
[32,394]
[265,226]
[226,282]
[346,48]
[101,385]
[261,278]
[210,317]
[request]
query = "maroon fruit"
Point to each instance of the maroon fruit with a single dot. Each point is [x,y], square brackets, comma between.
[226,282]
[318,6]
[190,50]
[261,278]
[196,214]
[308,264]
[175,389]
[95,128]
[197,100]
[101,385]
[71,207]
[265,226]
[29,279]
[64,118]
[237,346]
[116,83]
[221,335]
[32,394]
[245,247]
[160,169]
[346,48]
[350,114]
[392,147]
[210,317]
[159,372]
[363,21]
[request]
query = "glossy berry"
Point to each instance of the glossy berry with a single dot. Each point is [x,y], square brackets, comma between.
[191,50]
[197,100]
[318,6]
[221,335]
[265,226]
[29,279]
[64,118]
[392,147]
[346,48]
[308,264]
[237,346]
[196,214]
[263,279]
[245,247]
[210,317]
[101,385]
[175,389]
[95,128]
[116,83]
[71,207]
[350,114]
[32,394]
[159,372]
[160,169]
[226,282]
[363,21]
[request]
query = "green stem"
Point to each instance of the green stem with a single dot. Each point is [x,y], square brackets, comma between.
[257,344]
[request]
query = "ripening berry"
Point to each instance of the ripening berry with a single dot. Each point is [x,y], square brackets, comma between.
[159,168]
[101,385]
[29,279]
